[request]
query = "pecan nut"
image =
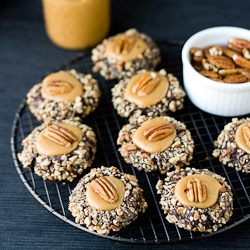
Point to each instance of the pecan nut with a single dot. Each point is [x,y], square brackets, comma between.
[246,53]
[235,79]
[245,72]
[221,62]
[146,84]
[124,44]
[197,54]
[129,147]
[246,133]
[57,87]
[105,189]
[227,72]
[196,190]
[210,74]
[237,44]
[241,61]
[159,131]
[60,135]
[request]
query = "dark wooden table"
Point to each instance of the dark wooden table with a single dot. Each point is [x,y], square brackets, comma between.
[26,54]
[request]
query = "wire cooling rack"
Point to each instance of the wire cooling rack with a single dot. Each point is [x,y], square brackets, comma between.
[150,227]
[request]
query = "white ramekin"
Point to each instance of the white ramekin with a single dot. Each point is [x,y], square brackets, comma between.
[216,98]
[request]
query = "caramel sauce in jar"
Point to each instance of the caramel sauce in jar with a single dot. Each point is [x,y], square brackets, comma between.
[76,24]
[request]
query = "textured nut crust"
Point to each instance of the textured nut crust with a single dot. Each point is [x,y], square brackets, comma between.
[61,167]
[105,221]
[171,103]
[193,218]
[44,109]
[179,153]
[111,68]
[227,150]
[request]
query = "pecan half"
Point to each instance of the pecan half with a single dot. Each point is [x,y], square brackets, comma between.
[196,190]
[235,79]
[197,54]
[210,74]
[124,44]
[221,62]
[105,189]
[159,131]
[241,61]
[60,135]
[227,72]
[214,50]
[229,53]
[246,133]
[238,44]
[57,87]
[246,53]
[245,72]
[146,84]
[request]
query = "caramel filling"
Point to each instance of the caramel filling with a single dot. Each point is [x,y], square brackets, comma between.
[48,147]
[239,139]
[124,49]
[156,95]
[212,188]
[94,200]
[141,141]
[60,87]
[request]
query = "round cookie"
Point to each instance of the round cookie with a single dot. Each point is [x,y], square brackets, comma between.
[148,93]
[59,150]
[103,221]
[179,152]
[64,95]
[229,151]
[190,217]
[124,54]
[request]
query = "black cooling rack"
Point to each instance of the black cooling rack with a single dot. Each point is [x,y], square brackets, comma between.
[151,227]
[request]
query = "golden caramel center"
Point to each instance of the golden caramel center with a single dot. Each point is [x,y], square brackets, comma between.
[58,139]
[125,48]
[97,201]
[162,135]
[241,138]
[146,89]
[61,86]
[202,194]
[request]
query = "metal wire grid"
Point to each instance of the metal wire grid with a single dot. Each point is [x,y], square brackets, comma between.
[151,227]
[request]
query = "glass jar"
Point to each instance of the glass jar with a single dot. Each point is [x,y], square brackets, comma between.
[76,24]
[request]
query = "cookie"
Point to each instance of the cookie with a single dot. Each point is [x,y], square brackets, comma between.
[196,200]
[106,199]
[124,54]
[64,95]
[155,143]
[148,93]
[59,150]
[233,148]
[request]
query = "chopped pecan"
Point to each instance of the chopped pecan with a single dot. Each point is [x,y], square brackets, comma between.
[238,44]
[124,44]
[159,131]
[146,84]
[129,147]
[57,87]
[221,62]
[246,133]
[105,189]
[60,135]
[235,79]
[196,190]
[241,61]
